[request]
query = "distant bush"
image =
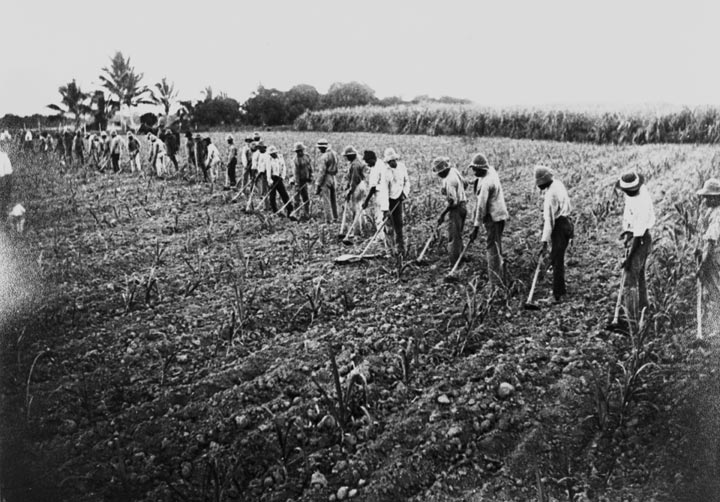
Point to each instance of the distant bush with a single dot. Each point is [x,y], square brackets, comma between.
[700,125]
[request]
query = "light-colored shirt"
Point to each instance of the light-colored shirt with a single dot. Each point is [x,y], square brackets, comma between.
[355,174]
[639,214]
[261,162]
[255,159]
[28,136]
[490,199]
[5,165]
[379,179]
[232,153]
[276,167]
[158,150]
[115,145]
[453,187]
[556,204]
[399,181]
[327,161]
[244,156]
[303,169]
[213,155]
[712,225]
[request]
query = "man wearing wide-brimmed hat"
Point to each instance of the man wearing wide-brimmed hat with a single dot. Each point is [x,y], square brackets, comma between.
[327,168]
[453,188]
[277,171]
[398,191]
[638,219]
[491,212]
[557,227]
[302,178]
[709,267]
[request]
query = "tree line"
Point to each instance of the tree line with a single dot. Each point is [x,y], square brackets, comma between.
[122,89]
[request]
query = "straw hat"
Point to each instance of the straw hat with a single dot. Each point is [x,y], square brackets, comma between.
[322,143]
[272,149]
[349,150]
[299,147]
[440,164]
[630,182]
[543,175]
[390,154]
[229,137]
[710,188]
[479,161]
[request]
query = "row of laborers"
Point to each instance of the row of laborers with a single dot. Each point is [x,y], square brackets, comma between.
[387,184]
[381,192]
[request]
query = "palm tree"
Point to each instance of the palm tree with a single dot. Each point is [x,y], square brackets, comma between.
[208,93]
[74,101]
[164,94]
[123,83]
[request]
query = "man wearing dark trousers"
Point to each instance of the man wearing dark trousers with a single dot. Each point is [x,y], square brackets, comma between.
[302,178]
[638,219]
[115,149]
[230,178]
[399,189]
[453,188]
[172,146]
[327,168]
[491,212]
[557,226]
[277,170]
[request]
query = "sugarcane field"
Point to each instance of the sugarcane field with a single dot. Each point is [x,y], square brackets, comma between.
[311,296]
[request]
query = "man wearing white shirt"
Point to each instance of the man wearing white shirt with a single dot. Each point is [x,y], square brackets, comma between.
[378,187]
[6,180]
[212,159]
[276,179]
[261,162]
[557,226]
[398,191]
[158,155]
[491,212]
[638,219]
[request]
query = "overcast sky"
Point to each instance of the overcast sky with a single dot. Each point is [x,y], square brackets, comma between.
[495,53]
